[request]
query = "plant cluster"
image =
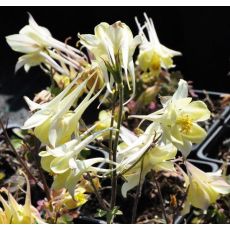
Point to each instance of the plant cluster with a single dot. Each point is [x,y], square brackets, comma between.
[147,122]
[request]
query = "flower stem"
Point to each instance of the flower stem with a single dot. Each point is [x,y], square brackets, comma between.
[111,125]
[160,196]
[138,194]
[23,164]
[98,196]
[114,157]
[35,152]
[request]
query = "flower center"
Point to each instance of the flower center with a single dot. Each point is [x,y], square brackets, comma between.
[156,62]
[185,123]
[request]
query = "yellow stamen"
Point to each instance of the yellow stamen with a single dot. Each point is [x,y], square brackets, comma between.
[156,62]
[185,123]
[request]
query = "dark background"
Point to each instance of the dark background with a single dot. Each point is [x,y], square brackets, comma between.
[202,34]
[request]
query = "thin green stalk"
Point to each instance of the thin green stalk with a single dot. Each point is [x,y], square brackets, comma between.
[98,196]
[111,125]
[38,164]
[138,194]
[119,120]
[23,164]
[160,196]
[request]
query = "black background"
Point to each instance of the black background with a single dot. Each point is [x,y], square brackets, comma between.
[202,34]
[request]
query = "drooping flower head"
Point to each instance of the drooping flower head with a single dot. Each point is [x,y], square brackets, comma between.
[203,188]
[66,164]
[136,149]
[54,122]
[38,45]
[15,213]
[113,47]
[178,119]
[153,55]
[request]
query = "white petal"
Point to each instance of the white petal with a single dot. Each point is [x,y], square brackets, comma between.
[36,119]
[22,43]
[132,181]
[182,90]
[32,105]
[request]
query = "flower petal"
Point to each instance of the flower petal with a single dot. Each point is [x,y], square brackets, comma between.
[132,181]
[197,110]
[196,134]
[182,90]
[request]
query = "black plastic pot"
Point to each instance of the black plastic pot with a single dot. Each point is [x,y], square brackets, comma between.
[209,149]
[216,122]
[88,220]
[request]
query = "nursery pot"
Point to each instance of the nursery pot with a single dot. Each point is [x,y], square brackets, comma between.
[215,122]
[209,150]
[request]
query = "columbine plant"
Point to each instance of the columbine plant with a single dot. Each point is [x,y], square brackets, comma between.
[15,213]
[129,153]
[113,47]
[153,55]
[40,47]
[178,119]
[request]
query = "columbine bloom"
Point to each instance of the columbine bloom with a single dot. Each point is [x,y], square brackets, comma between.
[157,159]
[65,163]
[136,149]
[113,45]
[178,119]
[38,45]
[14,213]
[62,198]
[204,188]
[54,122]
[153,55]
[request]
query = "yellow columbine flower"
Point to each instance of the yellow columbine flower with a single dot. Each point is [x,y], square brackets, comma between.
[153,55]
[204,188]
[63,198]
[113,45]
[178,119]
[65,163]
[37,43]
[54,122]
[157,159]
[135,148]
[14,213]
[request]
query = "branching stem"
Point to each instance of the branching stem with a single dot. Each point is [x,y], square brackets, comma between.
[114,158]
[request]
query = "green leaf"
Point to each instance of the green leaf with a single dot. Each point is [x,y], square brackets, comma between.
[113,213]
[19,132]
[65,219]
[17,143]
[100,213]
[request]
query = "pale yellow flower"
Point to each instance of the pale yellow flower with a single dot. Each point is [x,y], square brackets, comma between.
[64,161]
[156,159]
[178,119]
[203,188]
[153,55]
[54,122]
[38,45]
[15,213]
[62,198]
[113,45]
[134,149]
